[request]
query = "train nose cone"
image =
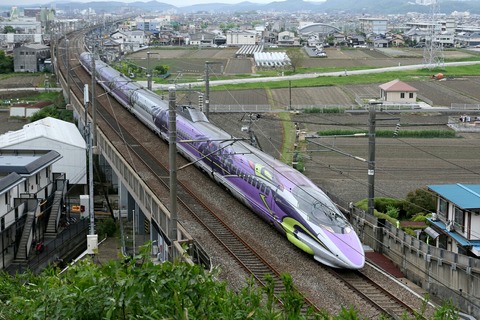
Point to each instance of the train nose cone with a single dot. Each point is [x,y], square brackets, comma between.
[351,247]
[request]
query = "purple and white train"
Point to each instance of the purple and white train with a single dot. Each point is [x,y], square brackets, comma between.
[276,192]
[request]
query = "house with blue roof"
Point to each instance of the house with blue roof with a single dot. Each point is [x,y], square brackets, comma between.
[456,224]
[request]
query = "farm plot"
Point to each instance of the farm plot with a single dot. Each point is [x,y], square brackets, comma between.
[402,165]
[24,81]
[362,90]
[441,95]
[317,97]
[239,97]
[467,87]
[238,66]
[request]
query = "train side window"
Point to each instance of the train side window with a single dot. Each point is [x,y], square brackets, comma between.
[249,179]
[267,191]
[262,188]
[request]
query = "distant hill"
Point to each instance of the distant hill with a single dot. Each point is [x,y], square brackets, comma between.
[329,6]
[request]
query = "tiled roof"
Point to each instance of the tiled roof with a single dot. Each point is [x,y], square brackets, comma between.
[397,85]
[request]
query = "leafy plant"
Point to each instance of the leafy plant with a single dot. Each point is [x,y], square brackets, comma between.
[419,200]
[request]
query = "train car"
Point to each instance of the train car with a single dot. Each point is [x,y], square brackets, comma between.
[276,192]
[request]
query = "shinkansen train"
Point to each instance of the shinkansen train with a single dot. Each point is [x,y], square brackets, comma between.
[276,192]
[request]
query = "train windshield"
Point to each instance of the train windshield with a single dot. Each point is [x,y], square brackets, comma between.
[321,210]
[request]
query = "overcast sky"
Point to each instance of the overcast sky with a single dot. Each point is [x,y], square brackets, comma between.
[173,2]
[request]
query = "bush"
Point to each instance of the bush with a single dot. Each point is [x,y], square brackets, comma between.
[106,227]
[420,200]
[323,110]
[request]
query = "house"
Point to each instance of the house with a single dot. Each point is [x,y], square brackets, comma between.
[456,224]
[130,40]
[202,39]
[397,91]
[52,134]
[30,57]
[28,187]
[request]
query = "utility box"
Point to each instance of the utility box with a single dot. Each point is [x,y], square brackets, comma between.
[92,243]
[84,206]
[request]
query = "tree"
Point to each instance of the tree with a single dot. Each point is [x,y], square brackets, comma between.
[162,69]
[8,29]
[420,200]
[296,57]
[6,63]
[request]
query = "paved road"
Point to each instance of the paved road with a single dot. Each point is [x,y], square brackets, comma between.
[301,76]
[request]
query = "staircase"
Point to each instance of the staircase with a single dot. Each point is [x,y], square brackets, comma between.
[56,210]
[22,253]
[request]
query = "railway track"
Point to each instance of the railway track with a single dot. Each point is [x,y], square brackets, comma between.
[244,254]
[384,301]
[251,261]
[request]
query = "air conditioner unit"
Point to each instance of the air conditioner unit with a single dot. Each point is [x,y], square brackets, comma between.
[450,226]
[434,216]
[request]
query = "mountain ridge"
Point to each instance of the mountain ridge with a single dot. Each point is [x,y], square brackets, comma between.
[328,6]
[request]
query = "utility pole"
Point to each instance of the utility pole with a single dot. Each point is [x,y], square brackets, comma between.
[67,65]
[371,155]
[88,139]
[94,113]
[206,101]
[149,72]
[207,87]
[172,155]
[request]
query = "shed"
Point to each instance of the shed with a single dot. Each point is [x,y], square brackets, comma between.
[52,134]
[398,91]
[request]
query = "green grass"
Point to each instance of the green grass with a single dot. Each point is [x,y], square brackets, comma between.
[288,137]
[390,133]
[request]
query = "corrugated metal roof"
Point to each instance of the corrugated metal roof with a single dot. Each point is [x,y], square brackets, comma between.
[397,86]
[465,196]
[51,128]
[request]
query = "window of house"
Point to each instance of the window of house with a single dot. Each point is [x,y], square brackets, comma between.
[443,209]
[459,219]
[410,95]
[402,95]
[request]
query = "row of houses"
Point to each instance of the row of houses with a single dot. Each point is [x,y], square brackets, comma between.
[38,165]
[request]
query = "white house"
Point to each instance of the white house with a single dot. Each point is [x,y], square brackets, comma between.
[52,134]
[398,92]
[130,40]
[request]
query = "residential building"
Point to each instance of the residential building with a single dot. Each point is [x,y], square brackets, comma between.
[456,223]
[28,186]
[397,91]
